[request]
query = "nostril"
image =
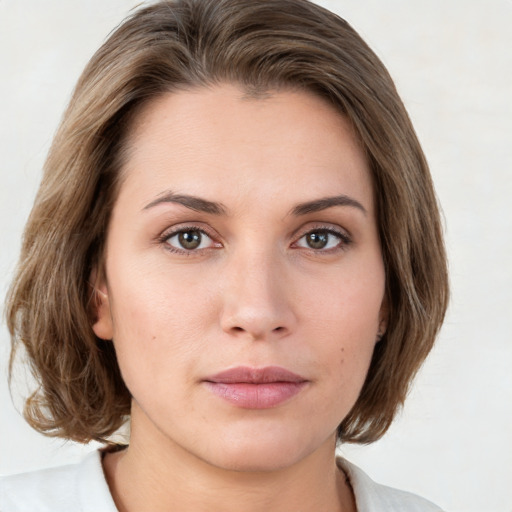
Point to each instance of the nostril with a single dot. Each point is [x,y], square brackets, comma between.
[278,329]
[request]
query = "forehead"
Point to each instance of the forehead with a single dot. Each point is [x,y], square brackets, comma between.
[218,141]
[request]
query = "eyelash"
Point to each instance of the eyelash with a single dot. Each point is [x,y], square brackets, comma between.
[344,240]
[166,236]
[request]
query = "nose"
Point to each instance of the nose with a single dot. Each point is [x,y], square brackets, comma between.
[257,299]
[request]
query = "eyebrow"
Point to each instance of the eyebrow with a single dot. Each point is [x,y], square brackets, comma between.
[327,202]
[192,202]
[203,205]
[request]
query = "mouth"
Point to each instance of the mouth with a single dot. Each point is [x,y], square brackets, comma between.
[256,388]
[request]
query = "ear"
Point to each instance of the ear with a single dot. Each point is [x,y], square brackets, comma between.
[101,316]
[383,319]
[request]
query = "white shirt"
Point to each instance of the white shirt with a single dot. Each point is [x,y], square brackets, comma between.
[82,488]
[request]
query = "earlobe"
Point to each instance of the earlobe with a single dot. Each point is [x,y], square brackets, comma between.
[101,317]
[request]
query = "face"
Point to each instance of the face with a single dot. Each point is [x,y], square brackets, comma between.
[244,278]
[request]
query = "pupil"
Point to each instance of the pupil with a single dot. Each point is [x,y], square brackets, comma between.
[190,239]
[317,240]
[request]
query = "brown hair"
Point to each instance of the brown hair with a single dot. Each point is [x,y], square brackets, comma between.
[261,46]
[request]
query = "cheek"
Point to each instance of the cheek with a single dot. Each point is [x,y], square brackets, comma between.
[346,357]
[160,324]
[343,319]
[155,299]
[346,305]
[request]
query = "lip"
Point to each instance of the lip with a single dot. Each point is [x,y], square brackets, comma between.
[256,388]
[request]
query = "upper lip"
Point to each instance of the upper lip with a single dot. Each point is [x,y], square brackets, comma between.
[245,374]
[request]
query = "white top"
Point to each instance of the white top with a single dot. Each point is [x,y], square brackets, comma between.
[83,488]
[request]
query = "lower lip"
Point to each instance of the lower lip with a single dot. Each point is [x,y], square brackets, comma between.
[256,396]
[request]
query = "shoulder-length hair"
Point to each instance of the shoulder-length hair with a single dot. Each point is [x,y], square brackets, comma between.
[179,44]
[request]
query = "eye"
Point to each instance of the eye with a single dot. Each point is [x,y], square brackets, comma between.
[323,239]
[189,240]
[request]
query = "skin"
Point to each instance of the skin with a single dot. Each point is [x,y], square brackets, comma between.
[254,293]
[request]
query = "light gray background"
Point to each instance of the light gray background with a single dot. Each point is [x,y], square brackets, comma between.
[452,62]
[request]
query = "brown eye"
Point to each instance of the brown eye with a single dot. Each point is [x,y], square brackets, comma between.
[317,240]
[323,240]
[189,240]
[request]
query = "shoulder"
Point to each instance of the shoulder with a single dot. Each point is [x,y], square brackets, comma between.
[78,487]
[373,497]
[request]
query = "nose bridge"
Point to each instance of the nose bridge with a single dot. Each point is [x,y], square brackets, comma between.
[256,298]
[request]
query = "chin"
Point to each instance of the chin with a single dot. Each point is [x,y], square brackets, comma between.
[254,461]
[260,453]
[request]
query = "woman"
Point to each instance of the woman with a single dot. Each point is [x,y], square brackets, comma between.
[236,245]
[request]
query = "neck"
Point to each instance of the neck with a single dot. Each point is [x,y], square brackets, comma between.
[155,474]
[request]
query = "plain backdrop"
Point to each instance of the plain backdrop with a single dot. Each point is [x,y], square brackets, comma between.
[452,63]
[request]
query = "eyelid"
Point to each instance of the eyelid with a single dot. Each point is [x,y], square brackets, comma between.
[335,230]
[341,233]
[180,228]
